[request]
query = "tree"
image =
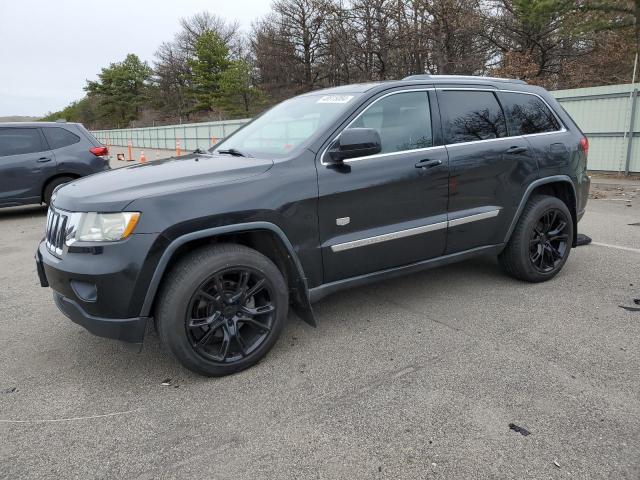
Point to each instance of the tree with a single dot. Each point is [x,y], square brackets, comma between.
[303,22]
[238,95]
[82,111]
[192,28]
[172,80]
[535,39]
[616,14]
[173,93]
[210,62]
[616,27]
[121,90]
[456,46]
[279,72]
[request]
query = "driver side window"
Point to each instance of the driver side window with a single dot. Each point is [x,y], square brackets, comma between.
[403,121]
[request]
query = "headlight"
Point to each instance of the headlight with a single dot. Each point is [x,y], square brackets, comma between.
[100,227]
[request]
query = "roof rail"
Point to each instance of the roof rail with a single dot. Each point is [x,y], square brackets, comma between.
[463,77]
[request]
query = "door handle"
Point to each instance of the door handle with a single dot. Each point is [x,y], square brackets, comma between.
[516,150]
[44,159]
[426,163]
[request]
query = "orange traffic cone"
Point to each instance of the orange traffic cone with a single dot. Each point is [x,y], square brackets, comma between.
[143,159]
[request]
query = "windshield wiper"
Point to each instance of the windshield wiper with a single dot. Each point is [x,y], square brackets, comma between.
[233,151]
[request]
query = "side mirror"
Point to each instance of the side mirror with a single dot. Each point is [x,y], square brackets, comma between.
[355,142]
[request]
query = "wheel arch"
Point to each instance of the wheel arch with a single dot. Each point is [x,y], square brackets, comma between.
[560,186]
[46,183]
[265,237]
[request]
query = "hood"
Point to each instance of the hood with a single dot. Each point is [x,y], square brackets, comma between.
[113,190]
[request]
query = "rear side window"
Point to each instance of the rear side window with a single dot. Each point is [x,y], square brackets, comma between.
[471,116]
[18,141]
[59,137]
[403,121]
[528,114]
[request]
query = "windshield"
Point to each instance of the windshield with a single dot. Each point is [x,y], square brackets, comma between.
[280,130]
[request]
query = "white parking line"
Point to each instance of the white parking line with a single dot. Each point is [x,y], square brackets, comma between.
[619,247]
[70,419]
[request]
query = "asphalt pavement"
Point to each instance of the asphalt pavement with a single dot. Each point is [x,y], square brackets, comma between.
[418,377]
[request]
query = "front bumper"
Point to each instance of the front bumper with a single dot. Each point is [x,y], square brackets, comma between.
[130,330]
[101,291]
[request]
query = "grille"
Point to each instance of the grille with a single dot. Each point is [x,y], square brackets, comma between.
[56,231]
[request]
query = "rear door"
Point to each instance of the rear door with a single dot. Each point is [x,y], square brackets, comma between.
[72,150]
[383,211]
[25,164]
[529,115]
[489,167]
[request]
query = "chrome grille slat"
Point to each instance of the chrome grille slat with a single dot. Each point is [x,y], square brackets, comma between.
[60,233]
[48,227]
[56,231]
[49,223]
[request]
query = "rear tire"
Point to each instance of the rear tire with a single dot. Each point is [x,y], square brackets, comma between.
[221,309]
[52,185]
[541,242]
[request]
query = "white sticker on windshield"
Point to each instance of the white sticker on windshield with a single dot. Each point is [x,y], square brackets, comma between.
[335,99]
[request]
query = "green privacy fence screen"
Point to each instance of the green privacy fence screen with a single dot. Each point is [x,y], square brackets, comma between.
[190,135]
[608,116]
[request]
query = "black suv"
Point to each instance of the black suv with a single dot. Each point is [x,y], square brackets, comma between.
[328,190]
[37,157]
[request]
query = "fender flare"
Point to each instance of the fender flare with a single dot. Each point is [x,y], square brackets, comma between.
[304,310]
[527,194]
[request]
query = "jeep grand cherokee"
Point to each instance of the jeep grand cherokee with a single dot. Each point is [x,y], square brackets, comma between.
[331,189]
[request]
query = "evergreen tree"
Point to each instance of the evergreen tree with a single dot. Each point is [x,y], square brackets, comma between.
[121,90]
[210,62]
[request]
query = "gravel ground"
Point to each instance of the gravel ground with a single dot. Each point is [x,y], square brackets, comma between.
[419,377]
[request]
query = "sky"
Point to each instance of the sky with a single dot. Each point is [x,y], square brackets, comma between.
[50,48]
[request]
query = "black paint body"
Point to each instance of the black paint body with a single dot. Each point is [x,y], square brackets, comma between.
[299,199]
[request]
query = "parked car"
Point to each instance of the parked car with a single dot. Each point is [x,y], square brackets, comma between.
[331,189]
[37,157]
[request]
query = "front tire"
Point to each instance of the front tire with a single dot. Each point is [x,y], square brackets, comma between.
[541,242]
[221,309]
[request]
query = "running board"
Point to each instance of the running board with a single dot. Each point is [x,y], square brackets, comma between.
[322,291]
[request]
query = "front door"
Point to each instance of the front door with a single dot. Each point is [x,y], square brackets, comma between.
[25,163]
[388,209]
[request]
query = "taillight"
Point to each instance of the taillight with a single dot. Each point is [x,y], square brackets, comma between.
[584,144]
[99,151]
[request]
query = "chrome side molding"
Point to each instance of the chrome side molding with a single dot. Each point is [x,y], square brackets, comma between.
[473,218]
[363,242]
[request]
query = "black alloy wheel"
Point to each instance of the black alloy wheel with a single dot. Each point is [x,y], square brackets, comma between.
[230,315]
[549,240]
[541,240]
[221,308]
